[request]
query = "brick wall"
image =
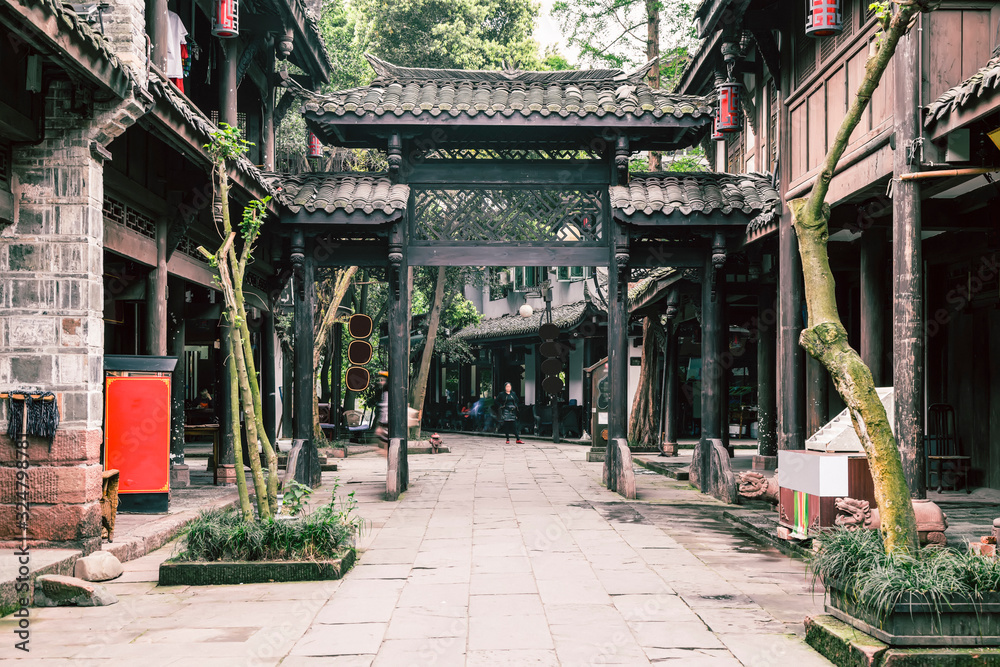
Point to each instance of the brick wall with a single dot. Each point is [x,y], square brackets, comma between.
[125,28]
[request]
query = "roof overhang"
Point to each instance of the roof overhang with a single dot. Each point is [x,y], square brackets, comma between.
[57,33]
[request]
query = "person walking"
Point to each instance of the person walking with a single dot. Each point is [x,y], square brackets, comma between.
[508,413]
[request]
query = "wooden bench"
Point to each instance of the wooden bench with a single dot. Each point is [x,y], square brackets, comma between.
[109,503]
[211,431]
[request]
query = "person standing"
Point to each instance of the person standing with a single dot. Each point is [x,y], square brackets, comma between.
[508,413]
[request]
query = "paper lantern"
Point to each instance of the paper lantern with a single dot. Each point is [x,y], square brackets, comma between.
[824,18]
[716,135]
[728,118]
[315,148]
[227,19]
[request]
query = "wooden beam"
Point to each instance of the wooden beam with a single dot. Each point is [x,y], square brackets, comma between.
[454,174]
[358,218]
[440,254]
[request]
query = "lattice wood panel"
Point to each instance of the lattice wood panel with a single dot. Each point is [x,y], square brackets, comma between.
[508,215]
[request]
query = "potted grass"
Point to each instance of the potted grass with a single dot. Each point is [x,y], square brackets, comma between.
[939,597]
[222,547]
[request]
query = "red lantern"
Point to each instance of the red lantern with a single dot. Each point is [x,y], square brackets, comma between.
[315,146]
[716,135]
[227,19]
[728,118]
[824,18]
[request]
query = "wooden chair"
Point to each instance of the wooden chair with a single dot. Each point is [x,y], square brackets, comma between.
[944,453]
[109,503]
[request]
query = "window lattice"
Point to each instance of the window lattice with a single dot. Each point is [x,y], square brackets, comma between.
[188,246]
[511,153]
[772,130]
[120,213]
[508,215]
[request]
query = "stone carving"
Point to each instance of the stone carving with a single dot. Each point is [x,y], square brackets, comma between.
[931,520]
[756,486]
[718,480]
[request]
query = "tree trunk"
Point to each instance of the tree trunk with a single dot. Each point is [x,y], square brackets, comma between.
[319,343]
[652,53]
[419,390]
[644,424]
[826,338]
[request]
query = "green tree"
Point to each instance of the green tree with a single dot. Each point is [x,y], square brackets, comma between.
[826,338]
[464,34]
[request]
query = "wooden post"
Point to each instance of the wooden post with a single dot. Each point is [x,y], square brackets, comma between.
[267,127]
[225,464]
[670,413]
[873,263]
[267,371]
[817,396]
[156,295]
[305,384]
[907,306]
[156,28]
[228,81]
[712,370]
[180,475]
[336,379]
[398,317]
[617,352]
[287,391]
[767,437]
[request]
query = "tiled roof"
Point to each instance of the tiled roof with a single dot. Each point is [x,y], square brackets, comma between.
[649,283]
[694,192]
[165,91]
[506,93]
[983,82]
[350,192]
[79,31]
[509,326]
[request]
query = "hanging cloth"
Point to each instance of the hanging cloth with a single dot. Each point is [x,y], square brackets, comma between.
[176,38]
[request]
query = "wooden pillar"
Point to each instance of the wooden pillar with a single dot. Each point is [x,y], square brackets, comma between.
[225,466]
[156,295]
[229,60]
[397,477]
[156,28]
[287,391]
[670,413]
[767,437]
[873,264]
[267,371]
[712,370]
[267,126]
[817,396]
[618,273]
[907,306]
[180,476]
[336,381]
[307,471]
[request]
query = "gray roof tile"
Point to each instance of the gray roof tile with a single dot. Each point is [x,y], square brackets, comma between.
[508,326]
[349,192]
[694,192]
[983,82]
[440,93]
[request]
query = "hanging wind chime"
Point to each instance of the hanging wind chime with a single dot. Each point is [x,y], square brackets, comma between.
[226,23]
[824,18]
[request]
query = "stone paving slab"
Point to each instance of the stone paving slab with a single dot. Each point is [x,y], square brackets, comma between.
[497,555]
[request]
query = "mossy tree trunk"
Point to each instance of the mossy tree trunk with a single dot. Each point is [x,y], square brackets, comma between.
[644,425]
[826,338]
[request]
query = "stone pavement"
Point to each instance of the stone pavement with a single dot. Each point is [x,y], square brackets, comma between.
[497,555]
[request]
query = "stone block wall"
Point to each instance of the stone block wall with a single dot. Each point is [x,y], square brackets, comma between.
[51,322]
[125,28]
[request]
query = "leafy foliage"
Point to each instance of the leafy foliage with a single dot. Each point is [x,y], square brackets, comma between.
[295,498]
[227,144]
[856,561]
[466,34]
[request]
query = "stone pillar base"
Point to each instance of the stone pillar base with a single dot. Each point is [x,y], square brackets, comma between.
[180,476]
[669,449]
[764,462]
[226,475]
[596,454]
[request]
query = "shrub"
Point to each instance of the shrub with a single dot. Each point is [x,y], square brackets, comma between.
[855,561]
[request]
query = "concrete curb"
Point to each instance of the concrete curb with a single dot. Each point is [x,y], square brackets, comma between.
[761,529]
[678,471]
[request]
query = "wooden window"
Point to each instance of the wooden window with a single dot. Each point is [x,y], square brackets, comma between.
[734,152]
[772,131]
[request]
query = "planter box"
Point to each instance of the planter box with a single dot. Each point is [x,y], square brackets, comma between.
[195,573]
[915,622]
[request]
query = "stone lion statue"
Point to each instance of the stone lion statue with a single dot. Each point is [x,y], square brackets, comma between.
[931,520]
[755,486]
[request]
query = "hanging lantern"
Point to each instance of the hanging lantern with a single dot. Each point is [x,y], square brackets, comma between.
[824,18]
[728,118]
[226,23]
[716,135]
[315,146]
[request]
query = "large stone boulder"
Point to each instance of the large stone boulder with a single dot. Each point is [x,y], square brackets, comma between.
[98,566]
[56,590]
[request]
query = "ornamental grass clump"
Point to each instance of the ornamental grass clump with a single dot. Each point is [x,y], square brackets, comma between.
[856,562]
[225,535]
